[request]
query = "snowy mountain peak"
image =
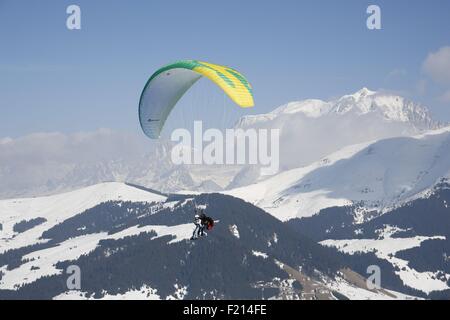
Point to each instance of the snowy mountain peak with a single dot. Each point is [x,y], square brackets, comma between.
[386,106]
[364,92]
[392,107]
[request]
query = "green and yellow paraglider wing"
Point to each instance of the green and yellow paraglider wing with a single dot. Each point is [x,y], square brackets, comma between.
[167,85]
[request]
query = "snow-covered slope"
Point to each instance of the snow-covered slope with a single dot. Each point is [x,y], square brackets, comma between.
[386,249]
[410,243]
[377,175]
[58,208]
[136,247]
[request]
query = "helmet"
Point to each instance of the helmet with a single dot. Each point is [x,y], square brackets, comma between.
[197,216]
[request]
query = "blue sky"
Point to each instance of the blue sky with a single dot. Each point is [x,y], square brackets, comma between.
[53,79]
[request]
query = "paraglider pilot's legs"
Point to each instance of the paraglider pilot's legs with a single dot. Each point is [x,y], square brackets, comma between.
[195,234]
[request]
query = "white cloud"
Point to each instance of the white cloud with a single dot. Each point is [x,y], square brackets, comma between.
[44,162]
[5,140]
[88,146]
[437,65]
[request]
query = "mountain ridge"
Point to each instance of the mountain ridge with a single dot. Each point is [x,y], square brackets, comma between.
[392,107]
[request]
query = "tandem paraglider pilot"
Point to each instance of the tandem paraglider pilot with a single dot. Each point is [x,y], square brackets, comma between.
[201,222]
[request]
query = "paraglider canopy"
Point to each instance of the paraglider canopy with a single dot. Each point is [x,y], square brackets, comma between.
[168,84]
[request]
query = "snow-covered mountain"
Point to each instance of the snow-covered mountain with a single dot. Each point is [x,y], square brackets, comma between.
[412,239]
[375,175]
[392,107]
[312,129]
[45,163]
[387,199]
[130,242]
[357,174]
[52,210]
